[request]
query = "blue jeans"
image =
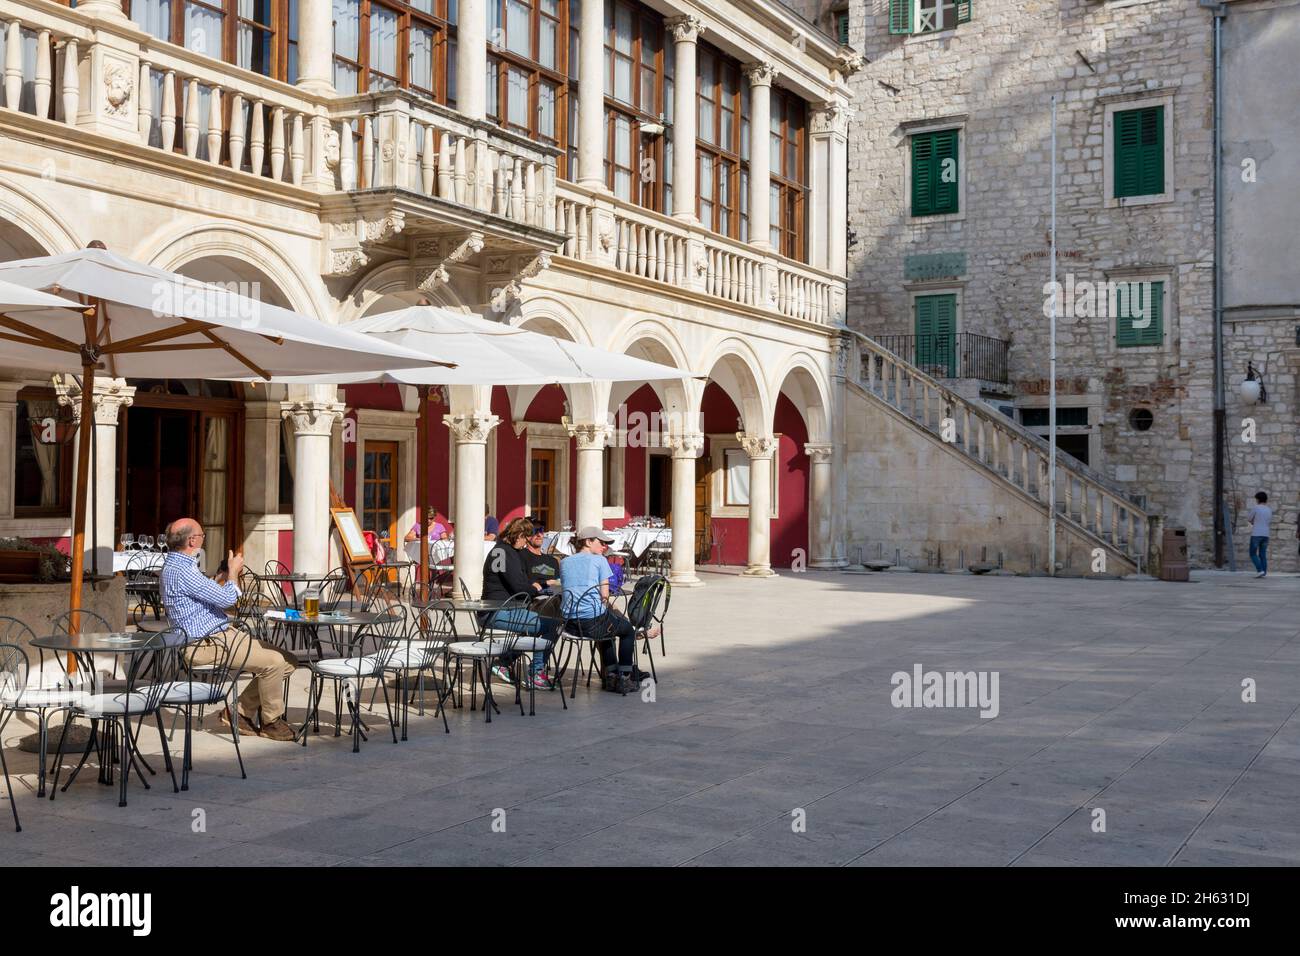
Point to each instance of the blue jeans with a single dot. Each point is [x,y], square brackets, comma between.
[529,623]
[1259,552]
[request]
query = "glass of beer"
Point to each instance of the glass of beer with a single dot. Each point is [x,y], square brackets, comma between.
[311,604]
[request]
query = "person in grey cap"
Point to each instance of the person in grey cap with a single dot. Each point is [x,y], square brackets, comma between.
[580,575]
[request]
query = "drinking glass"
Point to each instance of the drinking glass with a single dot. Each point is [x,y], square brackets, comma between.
[146,541]
[128,542]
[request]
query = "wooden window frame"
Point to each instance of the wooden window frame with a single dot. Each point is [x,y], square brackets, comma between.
[648,193]
[724,163]
[558,75]
[229,9]
[444,32]
[63,507]
[792,209]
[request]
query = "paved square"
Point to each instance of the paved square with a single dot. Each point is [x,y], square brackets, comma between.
[776,697]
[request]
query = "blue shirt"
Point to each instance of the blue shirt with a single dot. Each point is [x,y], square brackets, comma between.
[194,601]
[579,573]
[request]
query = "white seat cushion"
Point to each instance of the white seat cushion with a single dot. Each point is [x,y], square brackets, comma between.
[114,705]
[41,697]
[477,648]
[412,658]
[347,666]
[531,644]
[191,692]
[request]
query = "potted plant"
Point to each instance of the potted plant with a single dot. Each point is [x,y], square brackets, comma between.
[25,562]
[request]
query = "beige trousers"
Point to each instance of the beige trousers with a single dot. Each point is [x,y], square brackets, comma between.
[270,667]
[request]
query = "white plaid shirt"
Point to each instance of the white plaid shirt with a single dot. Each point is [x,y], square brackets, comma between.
[192,600]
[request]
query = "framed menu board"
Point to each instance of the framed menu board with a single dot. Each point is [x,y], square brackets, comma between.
[354,542]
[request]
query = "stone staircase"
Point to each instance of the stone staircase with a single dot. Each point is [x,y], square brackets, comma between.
[1089,507]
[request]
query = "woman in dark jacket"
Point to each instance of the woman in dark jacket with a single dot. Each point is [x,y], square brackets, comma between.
[504,576]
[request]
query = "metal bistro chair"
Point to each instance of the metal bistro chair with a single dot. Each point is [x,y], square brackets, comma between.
[415,647]
[357,657]
[658,557]
[212,682]
[19,693]
[142,586]
[646,607]
[148,675]
[549,610]
[482,654]
[578,634]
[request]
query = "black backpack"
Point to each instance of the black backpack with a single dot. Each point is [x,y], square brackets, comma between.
[645,600]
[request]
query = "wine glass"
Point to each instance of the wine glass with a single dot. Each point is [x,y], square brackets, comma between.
[146,542]
[128,542]
[162,540]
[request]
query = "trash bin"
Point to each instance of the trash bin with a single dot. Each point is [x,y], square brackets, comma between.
[1173,561]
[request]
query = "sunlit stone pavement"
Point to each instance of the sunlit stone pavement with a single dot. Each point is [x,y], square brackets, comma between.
[772,739]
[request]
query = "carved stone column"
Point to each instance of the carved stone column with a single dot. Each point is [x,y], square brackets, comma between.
[313,422]
[821,494]
[591,97]
[316,47]
[686,448]
[687,31]
[471,59]
[470,433]
[829,190]
[111,396]
[590,440]
[760,76]
[8,440]
[760,449]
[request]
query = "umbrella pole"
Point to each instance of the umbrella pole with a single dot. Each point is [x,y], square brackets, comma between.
[83,473]
[422,479]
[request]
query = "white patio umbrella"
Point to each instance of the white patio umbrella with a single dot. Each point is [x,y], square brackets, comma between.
[16,300]
[488,353]
[134,317]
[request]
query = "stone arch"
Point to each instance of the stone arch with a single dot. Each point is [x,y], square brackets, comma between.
[549,316]
[234,251]
[388,287]
[736,369]
[802,381]
[42,231]
[655,341]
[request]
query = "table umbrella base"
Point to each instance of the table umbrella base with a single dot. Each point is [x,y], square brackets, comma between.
[76,742]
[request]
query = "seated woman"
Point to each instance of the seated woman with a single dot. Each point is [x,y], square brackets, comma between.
[596,618]
[437,530]
[504,576]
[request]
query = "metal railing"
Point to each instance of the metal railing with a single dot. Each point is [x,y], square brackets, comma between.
[952,355]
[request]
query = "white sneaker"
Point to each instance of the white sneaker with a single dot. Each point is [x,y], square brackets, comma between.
[502,674]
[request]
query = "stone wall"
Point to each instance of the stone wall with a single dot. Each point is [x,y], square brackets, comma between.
[914,497]
[993,77]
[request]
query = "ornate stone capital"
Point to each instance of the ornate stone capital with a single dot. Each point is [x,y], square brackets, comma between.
[757,446]
[312,418]
[831,117]
[111,396]
[848,61]
[589,437]
[760,74]
[819,452]
[685,444]
[471,429]
[686,28]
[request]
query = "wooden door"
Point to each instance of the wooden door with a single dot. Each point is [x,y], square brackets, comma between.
[702,478]
[541,488]
[936,334]
[379,490]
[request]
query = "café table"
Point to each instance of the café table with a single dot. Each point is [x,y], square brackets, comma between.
[83,647]
[305,578]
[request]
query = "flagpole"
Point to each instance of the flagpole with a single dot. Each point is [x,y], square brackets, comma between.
[1051,393]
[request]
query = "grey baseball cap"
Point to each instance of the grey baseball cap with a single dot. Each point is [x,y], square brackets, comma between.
[591,531]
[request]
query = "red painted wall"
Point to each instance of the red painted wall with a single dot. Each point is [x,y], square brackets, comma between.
[511,450]
[644,401]
[790,469]
[284,548]
[719,417]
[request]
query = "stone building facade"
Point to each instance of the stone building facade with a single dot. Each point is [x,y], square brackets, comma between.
[1137,409]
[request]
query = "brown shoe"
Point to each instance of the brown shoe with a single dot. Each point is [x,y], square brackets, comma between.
[277,729]
[245,725]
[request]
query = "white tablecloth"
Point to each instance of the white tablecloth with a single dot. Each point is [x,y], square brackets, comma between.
[442,551]
[634,540]
[137,560]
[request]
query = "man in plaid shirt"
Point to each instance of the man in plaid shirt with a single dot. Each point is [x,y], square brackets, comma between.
[198,604]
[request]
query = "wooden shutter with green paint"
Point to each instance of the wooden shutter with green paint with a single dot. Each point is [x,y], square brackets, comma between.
[934,173]
[936,334]
[1139,314]
[1139,152]
[842,24]
[900,16]
[963,11]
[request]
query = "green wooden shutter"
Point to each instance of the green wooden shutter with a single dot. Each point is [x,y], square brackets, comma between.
[1139,152]
[923,175]
[900,16]
[963,11]
[842,22]
[1131,297]
[945,155]
[936,327]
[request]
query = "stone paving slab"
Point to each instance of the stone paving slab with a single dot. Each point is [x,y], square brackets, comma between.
[773,739]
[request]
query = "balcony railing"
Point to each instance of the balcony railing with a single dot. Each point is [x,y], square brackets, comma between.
[952,355]
[648,245]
